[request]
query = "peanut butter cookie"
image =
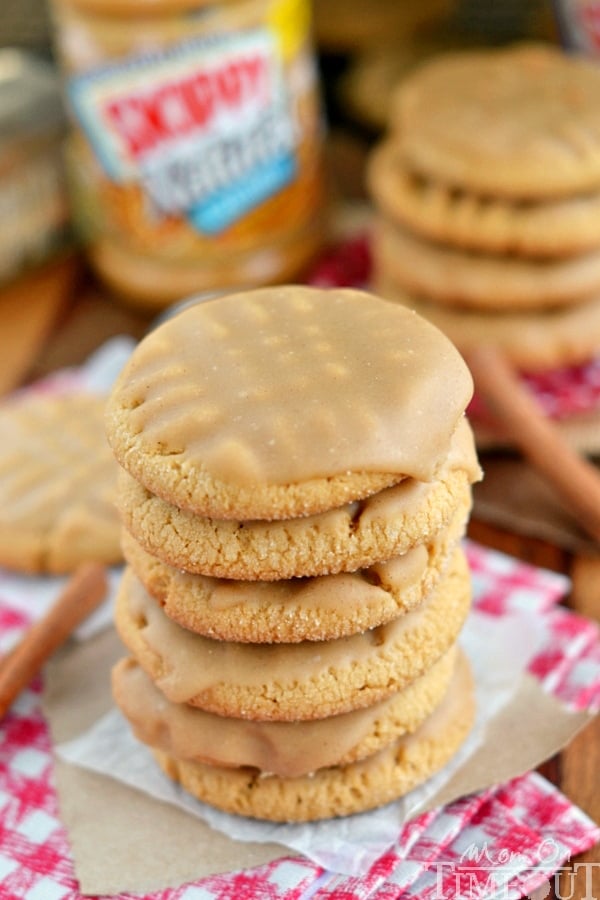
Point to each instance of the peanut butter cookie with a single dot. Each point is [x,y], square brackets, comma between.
[341,540]
[288,749]
[307,680]
[520,122]
[58,484]
[297,609]
[539,229]
[453,277]
[286,402]
[337,790]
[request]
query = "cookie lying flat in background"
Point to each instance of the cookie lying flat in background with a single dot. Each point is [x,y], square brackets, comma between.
[57,485]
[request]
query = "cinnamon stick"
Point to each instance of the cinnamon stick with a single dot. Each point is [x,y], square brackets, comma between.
[574,479]
[82,594]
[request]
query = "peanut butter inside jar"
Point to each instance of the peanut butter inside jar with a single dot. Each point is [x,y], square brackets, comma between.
[195,153]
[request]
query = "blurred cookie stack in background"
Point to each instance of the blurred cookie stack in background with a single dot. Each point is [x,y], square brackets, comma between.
[295,585]
[487,191]
[364,49]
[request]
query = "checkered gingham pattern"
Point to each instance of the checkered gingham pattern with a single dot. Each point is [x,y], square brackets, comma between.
[527,828]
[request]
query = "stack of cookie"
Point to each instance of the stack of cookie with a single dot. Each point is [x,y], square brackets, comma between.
[296,478]
[487,189]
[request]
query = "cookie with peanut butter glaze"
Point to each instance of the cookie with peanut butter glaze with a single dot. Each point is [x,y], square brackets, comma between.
[285,682]
[344,539]
[288,749]
[286,402]
[297,609]
[343,789]
[58,482]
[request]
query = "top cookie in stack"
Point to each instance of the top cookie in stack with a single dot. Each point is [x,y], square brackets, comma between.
[296,479]
[488,187]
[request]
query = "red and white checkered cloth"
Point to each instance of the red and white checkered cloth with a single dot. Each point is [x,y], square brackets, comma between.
[509,839]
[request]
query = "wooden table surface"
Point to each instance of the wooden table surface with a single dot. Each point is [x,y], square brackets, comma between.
[58,315]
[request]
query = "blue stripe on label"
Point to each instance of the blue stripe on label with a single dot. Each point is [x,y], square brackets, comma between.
[222,208]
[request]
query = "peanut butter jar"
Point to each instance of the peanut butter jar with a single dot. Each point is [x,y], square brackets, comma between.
[195,151]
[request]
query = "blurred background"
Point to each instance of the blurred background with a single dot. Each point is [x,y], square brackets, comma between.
[361,51]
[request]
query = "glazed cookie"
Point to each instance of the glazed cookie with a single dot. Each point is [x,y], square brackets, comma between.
[555,228]
[288,749]
[257,405]
[530,339]
[453,277]
[57,485]
[292,681]
[342,540]
[297,609]
[520,122]
[337,790]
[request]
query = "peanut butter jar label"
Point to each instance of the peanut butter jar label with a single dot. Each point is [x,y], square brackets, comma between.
[206,128]
[195,156]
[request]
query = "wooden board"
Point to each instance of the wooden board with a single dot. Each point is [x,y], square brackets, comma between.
[30,309]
